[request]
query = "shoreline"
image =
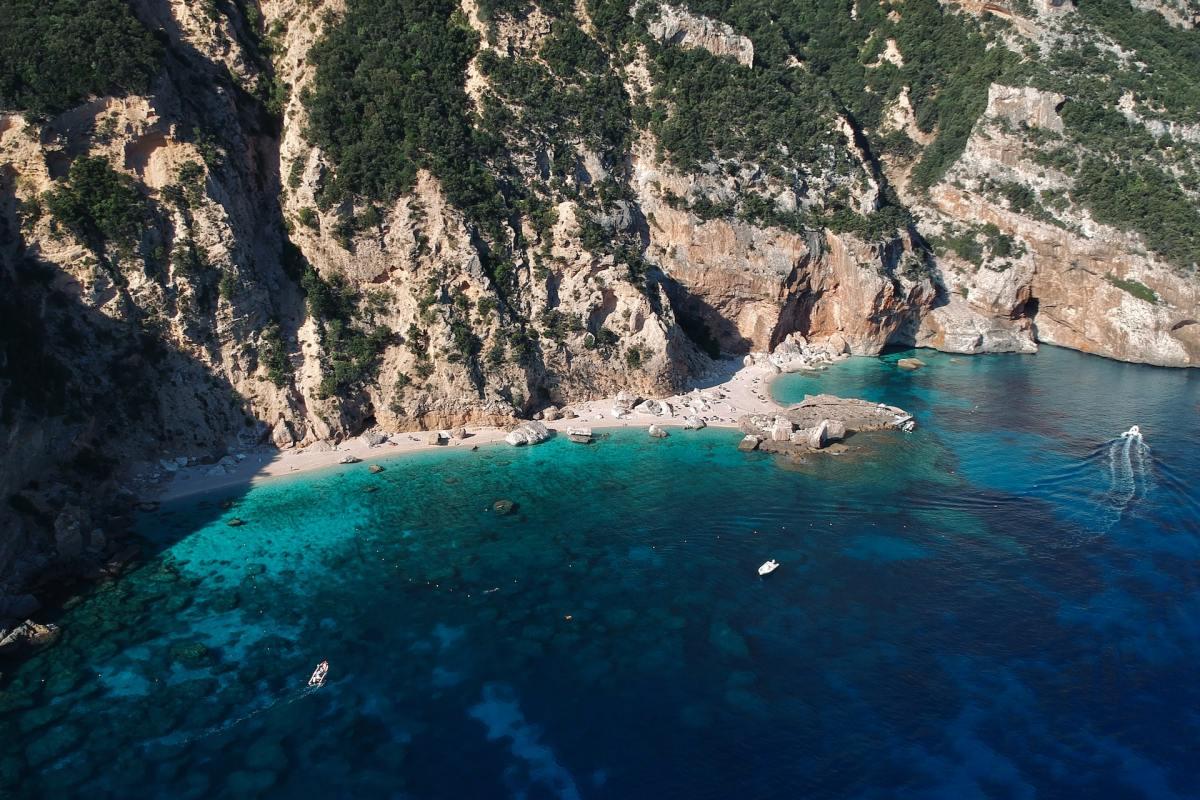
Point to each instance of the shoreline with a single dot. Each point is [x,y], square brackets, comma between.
[731,392]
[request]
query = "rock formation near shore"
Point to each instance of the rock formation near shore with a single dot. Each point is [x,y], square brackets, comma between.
[817,422]
[236,235]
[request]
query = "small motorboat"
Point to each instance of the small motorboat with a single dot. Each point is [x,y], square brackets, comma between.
[318,676]
[769,567]
[1133,433]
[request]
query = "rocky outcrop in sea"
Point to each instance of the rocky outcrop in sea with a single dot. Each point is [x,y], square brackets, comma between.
[818,422]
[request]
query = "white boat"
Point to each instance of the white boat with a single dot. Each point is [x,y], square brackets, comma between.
[318,676]
[769,567]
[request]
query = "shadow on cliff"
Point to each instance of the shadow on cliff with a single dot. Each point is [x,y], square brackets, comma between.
[704,324]
[85,397]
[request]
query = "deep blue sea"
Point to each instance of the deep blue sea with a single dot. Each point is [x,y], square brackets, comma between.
[1004,603]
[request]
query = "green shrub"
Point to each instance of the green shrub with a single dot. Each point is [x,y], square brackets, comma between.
[54,54]
[1142,198]
[274,356]
[388,99]
[1136,288]
[99,205]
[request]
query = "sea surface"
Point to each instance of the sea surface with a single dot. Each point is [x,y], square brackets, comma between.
[1004,603]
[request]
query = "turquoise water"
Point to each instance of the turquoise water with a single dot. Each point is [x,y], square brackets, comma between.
[1003,603]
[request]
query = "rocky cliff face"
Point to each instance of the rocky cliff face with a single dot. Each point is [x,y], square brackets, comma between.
[1074,273]
[254,304]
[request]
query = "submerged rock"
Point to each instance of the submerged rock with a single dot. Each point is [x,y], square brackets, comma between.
[349,459]
[503,507]
[249,783]
[657,432]
[55,744]
[190,653]
[235,522]
[910,363]
[375,469]
[18,606]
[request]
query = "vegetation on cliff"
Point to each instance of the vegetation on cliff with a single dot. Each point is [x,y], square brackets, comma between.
[56,53]
[99,205]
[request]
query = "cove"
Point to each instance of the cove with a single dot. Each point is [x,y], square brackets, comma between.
[1002,603]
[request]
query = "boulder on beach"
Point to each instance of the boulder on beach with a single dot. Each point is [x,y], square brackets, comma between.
[551,413]
[458,433]
[910,363]
[623,404]
[349,459]
[657,408]
[373,438]
[657,432]
[436,438]
[528,433]
[693,423]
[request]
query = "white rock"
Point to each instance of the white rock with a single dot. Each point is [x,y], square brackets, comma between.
[781,430]
[580,435]
[528,433]
[819,436]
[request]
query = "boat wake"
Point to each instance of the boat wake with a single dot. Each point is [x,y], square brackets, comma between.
[183,739]
[1098,492]
[1129,472]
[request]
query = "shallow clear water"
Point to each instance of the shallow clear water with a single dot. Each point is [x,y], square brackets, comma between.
[1003,603]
